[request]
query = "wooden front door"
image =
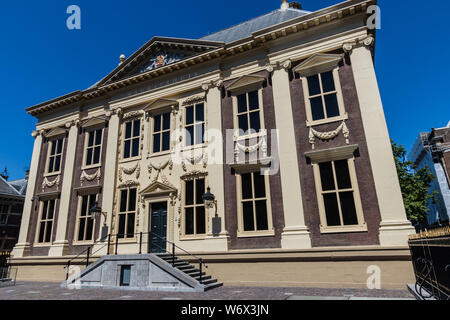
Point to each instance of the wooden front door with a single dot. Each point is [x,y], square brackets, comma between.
[158,227]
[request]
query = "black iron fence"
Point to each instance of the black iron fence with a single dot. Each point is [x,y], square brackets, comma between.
[4,256]
[154,242]
[430,253]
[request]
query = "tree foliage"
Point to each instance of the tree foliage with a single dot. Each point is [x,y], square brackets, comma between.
[415,184]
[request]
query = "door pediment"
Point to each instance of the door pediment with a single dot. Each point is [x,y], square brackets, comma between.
[158,188]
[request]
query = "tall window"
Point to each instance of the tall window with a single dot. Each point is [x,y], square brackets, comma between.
[4,210]
[127,213]
[249,113]
[55,155]
[46,221]
[338,194]
[195,124]
[86,218]
[254,202]
[161,132]
[93,147]
[194,207]
[132,139]
[323,96]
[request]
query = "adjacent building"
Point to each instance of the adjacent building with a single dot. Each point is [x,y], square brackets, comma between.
[280,116]
[432,150]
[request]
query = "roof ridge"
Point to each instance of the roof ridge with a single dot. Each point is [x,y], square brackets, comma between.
[10,186]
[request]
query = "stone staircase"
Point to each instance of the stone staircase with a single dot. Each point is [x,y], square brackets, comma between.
[207,281]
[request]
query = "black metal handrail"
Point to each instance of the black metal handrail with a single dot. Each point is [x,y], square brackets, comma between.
[88,252]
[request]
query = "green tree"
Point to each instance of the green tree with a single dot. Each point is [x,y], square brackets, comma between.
[415,184]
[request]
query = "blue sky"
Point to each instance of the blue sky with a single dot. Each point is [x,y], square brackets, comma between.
[41,59]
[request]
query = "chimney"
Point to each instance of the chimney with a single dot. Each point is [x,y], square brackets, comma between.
[295,5]
[4,174]
[27,174]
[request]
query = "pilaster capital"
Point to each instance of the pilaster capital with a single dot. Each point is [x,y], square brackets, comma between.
[367,42]
[213,83]
[286,65]
[72,123]
[37,133]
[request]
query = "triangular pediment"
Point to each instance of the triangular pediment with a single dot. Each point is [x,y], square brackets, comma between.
[318,63]
[159,104]
[158,53]
[93,122]
[245,82]
[56,132]
[157,188]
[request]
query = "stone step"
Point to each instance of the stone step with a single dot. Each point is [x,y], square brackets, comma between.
[213,286]
[208,281]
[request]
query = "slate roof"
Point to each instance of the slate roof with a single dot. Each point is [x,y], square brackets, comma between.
[245,29]
[13,188]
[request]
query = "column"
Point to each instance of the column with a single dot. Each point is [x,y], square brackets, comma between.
[216,161]
[22,246]
[295,234]
[60,244]
[394,227]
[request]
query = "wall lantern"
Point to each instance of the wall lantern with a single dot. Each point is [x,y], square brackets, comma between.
[97,211]
[210,201]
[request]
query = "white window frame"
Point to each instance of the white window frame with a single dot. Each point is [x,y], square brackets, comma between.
[185,236]
[87,133]
[79,217]
[194,124]
[152,132]
[324,228]
[246,91]
[119,213]
[49,155]
[257,233]
[124,126]
[338,90]
[40,220]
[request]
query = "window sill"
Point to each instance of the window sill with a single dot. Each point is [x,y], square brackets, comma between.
[159,154]
[95,166]
[325,121]
[83,243]
[130,160]
[53,174]
[256,234]
[193,238]
[260,134]
[194,147]
[43,245]
[344,229]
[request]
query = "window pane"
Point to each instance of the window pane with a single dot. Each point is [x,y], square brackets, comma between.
[253,101]
[51,209]
[328,81]
[242,103]
[53,150]
[98,137]
[122,218]
[260,185]
[127,149]
[313,85]
[332,105]
[156,143]
[92,201]
[199,132]
[200,112]
[166,121]
[190,136]
[51,164]
[81,229]
[123,200]
[243,122]
[96,155]
[342,174]
[261,215]
[348,208]
[84,206]
[130,226]
[326,176]
[331,210]
[157,123]
[190,115]
[255,122]
[41,232]
[60,145]
[247,211]
[136,146]
[89,229]
[201,223]
[57,163]
[200,190]
[89,157]
[128,130]
[317,108]
[44,210]
[189,192]
[91,139]
[136,128]
[132,200]
[48,232]
[247,186]
[189,221]
[166,141]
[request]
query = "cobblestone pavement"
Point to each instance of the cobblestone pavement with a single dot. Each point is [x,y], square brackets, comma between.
[53,291]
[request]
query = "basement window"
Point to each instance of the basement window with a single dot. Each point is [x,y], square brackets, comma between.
[125,276]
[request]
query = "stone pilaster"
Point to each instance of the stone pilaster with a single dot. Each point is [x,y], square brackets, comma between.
[295,234]
[22,246]
[394,227]
[60,243]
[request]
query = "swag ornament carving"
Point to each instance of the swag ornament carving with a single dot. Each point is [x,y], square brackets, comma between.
[262,144]
[129,171]
[50,184]
[313,134]
[86,177]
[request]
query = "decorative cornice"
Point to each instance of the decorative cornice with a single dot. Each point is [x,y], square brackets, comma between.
[132,114]
[194,100]
[193,174]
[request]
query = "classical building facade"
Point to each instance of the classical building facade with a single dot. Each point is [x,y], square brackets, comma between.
[432,150]
[280,116]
